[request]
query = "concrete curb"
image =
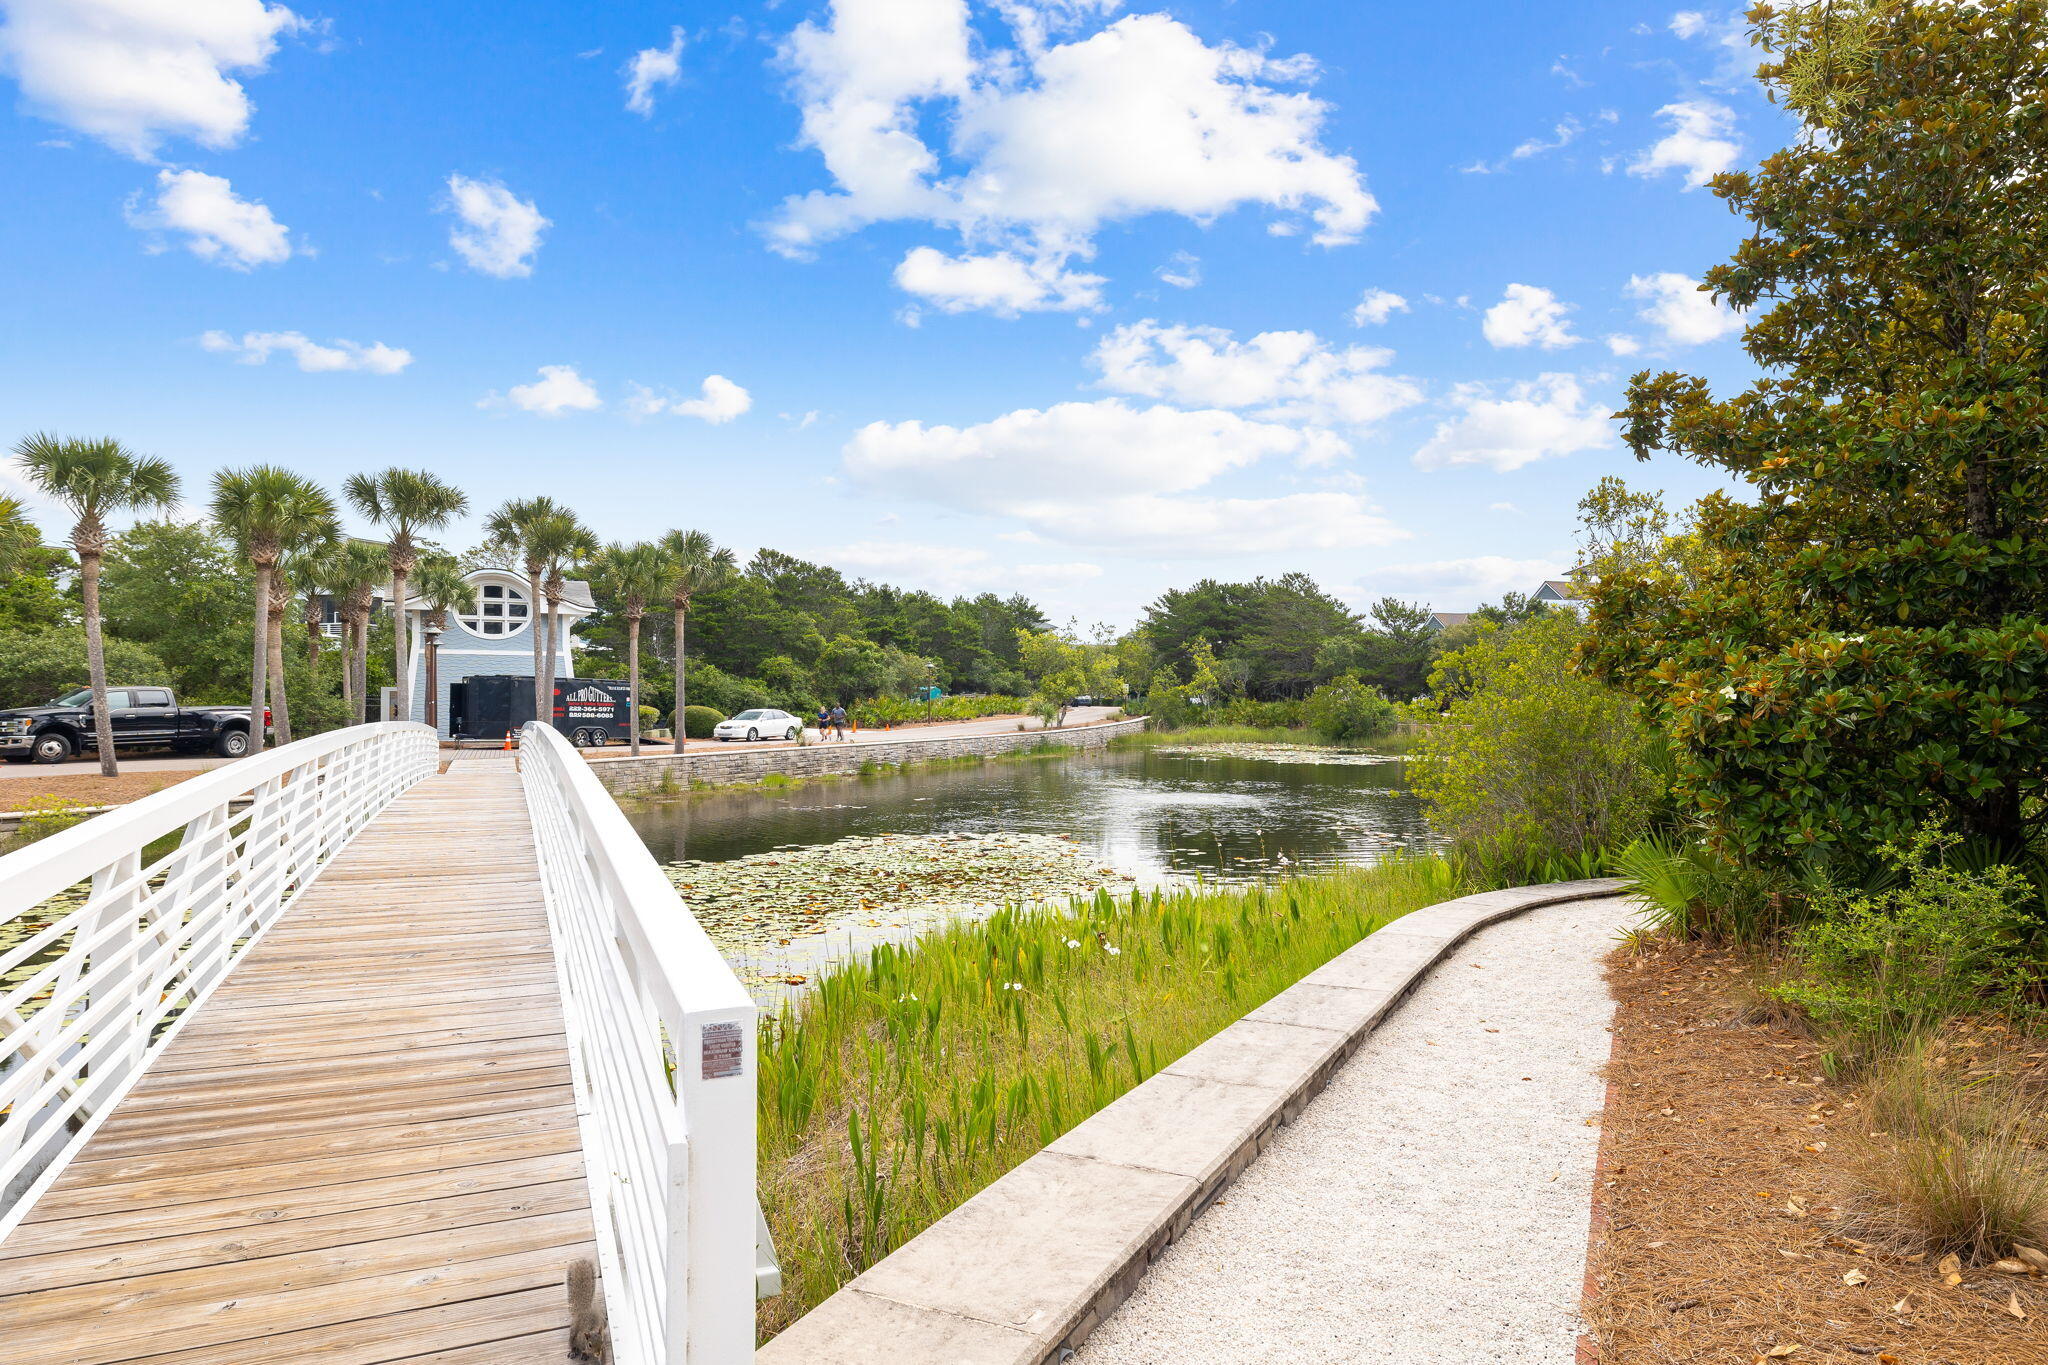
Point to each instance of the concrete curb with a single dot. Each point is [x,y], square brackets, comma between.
[1026,1269]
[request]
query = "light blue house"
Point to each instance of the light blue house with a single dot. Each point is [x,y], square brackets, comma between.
[492,634]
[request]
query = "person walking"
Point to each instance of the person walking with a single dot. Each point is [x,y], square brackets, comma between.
[824,725]
[838,719]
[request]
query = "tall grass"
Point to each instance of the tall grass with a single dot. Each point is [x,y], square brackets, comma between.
[908,1081]
[1215,734]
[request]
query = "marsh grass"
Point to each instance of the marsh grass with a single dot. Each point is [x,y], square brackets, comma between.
[907,1081]
[1215,734]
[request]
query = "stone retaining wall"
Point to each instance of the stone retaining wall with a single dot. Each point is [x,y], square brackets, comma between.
[728,765]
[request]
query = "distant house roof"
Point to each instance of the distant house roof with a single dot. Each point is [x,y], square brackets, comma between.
[1557,590]
[1444,620]
[575,592]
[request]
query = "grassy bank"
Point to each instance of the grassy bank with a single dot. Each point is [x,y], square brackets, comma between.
[1395,741]
[906,1082]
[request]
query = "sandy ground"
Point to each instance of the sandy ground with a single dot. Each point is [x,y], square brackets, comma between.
[88,767]
[1431,1207]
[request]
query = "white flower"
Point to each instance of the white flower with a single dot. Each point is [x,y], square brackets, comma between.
[1729,693]
[1112,950]
[1014,986]
[1073,943]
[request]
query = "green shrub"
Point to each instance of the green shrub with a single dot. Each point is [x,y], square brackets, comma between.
[1528,758]
[698,721]
[1880,968]
[1346,711]
[37,665]
[1694,892]
[47,815]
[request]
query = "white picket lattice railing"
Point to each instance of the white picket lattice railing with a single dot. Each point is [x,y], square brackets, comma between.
[104,976]
[661,1042]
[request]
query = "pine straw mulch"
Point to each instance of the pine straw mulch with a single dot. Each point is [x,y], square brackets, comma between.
[88,789]
[1721,1157]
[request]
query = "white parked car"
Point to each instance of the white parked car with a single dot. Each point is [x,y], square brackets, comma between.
[759,723]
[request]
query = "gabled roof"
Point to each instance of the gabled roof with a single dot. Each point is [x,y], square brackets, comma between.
[1444,620]
[1559,587]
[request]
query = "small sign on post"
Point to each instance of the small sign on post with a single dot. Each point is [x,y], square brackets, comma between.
[720,1054]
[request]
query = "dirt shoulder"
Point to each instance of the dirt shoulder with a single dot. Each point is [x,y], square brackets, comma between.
[89,789]
[1722,1158]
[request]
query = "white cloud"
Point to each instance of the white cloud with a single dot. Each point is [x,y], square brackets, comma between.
[720,402]
[218,226]
[1026,168]
[1701,142]
[1000,282]
[651,68]
[1678,308]
[1538,419]
[559,389]
[1688,23]
[1504,507]
[132,73]
[1375,306]
[1107,474]
[1529,316]
[1283,376]
[948,569]
[1035,21]
[1182,271]
[499,231]
[254,348]
[1622,344]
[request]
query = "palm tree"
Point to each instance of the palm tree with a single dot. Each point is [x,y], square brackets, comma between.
[565,542]
[19,537]
[268,510]
[514,530]
[404,502]
[352,573]
[442,588]
[695,565]
[92,479]
[634,575]
[298,567]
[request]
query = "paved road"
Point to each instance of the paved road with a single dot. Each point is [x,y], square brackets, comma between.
[987,725]
[90,766]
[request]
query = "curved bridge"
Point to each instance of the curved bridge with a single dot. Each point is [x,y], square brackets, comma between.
[335,1055]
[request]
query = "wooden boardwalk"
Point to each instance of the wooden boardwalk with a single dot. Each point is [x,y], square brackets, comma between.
[364,1147]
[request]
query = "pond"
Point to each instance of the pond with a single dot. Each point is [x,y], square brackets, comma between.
[808,892]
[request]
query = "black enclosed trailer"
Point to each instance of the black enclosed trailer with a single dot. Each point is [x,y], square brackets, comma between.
[589,711]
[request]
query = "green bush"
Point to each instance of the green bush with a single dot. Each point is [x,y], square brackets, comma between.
[1530,761]
[1880,968]
[1346,711]
[698,721]
[36,665]
[1694,892]
[47,815]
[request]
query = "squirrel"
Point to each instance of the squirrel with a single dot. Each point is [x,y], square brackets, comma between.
[589,1335]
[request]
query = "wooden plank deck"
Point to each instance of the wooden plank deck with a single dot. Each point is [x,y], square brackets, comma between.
[363,1148]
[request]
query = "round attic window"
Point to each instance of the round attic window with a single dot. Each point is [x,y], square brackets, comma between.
[499,609]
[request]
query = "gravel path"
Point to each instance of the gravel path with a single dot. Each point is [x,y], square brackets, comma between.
[1430,1207]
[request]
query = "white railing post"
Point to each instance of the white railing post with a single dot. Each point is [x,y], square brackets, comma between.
[101,985]
[661,1037]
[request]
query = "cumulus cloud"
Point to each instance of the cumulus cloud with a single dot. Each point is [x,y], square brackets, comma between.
[254,348]
[1701,142]
[1111,475]
[999,282]
[1529,316]
[950,569]
[1375,306]
[217,225]
[497,232]
[560,389]
[1200,130]
[1688,23]
[1533,420]
[1183,270]
[719,401]
[1620,343]
[1280,376]
[1681,310]
[134,74]
[650,69]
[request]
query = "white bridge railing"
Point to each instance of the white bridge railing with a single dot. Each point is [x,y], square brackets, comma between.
[105,974]
[661,1041]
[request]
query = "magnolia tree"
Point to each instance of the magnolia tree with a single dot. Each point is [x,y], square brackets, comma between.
[1859,645]
[1067,667]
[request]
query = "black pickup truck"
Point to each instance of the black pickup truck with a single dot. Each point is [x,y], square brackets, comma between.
[142,717]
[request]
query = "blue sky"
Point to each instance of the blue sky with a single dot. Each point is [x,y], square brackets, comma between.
[1081,298]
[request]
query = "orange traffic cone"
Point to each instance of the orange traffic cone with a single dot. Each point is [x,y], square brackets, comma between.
[508,741]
